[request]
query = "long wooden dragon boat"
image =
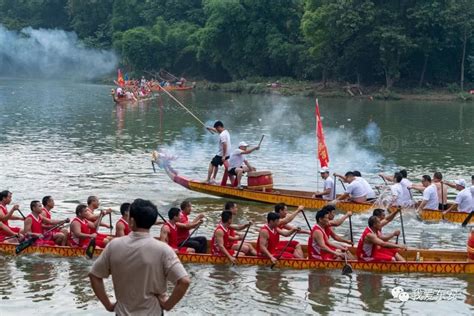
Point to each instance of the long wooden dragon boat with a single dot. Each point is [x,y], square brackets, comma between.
[158,88]
[436,216]
[433,261]
[257,194]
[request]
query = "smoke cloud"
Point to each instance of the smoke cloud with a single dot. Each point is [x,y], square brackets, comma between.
[43,53]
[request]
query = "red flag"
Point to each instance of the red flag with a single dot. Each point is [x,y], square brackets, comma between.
[120,80]
[322,149]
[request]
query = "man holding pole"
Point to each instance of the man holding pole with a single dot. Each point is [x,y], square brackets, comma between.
[223,153]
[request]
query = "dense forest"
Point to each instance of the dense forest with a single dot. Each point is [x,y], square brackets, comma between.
[407,43]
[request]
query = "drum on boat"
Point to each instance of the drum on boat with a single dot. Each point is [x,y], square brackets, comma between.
[260,180]
[470,246]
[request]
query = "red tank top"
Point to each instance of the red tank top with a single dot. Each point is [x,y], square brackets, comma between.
[4,211]
[92,230]
[36,224]
[328,231]
[46,213]
[76,241]
[227,242]
[273,239]
[172,235]
[365,250]
[183,233]
[314,249]
[127,227]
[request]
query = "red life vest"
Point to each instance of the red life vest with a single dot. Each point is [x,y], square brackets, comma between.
[227,242]
[127,227]
[273,240]
[76,241]
[314,249]
[172,235]
[36,224]
[364,250]
[183,233]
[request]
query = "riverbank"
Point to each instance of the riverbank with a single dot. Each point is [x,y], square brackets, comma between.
[334,90]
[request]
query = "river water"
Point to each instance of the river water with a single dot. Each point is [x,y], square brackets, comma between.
[70,141]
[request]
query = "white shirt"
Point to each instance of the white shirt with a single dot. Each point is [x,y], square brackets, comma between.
[430,194]
[368,189]
[356,189]
[397,192]
[406,196]
[236,159]
[329,184]
[224,137]
[472,193]
[464,200]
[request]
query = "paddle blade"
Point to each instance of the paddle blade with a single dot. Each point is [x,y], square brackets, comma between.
[468,218]
[347,269]
[24,244]
[90,249]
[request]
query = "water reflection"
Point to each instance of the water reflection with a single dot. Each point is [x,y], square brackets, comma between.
[40,275]
[7,286]
[273,283]
[79,281]
[319,291]
[371,292]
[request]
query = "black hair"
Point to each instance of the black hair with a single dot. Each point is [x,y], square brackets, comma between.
[218,124]
[349,173]
[45,200]
[329,208]
[80,208]
[184,204]
[272,216]
[404,173]
[426,178]
[320,214]
[357,173]
[4,194]
[33,203]
[279,207]
[398,177]
[144,213]
[173,212]
[125,207]
[91,199]
[226,216]
[378,212]
[372,220]
[228,205]
[438,175]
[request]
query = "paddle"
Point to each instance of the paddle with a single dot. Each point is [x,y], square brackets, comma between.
[442,197]
[403,227]
[153,165]
[384,181]
[110,223]
[27,243]
[343,186]
[260,142]
[334,195]
[161,216]
[21,213]
[306,219]
[350,229]
[242,243]
[186,240]
[347,268]
[91,246]
[284,248]
[468,218]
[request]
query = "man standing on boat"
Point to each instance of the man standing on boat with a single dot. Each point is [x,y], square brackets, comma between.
[268,240]
[247,247]
[328,192]
[463,202]
[141,268]
[199,243]
[5,215]
[238,165]
[372,248]
[223,153]
[430,194]
[355,191]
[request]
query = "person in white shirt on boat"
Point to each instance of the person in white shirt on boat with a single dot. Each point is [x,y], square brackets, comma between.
[328,192]
[397,191]
[222,155]
[370,192]
[430,194]
[356,191]
[406,197]
[238,165]
[463,202]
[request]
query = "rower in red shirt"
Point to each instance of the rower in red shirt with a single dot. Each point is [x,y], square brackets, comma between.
[319,246]
[269,238]
[48,205]
[93,204]
[372,248]
[247,247]
[222,241]
[285,219]
[169,232]
[199,243]
[122,227]
[6,232]
[35,226]
[5,215]
[81,230]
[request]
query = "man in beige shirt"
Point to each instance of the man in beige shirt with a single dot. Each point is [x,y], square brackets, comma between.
[140,267]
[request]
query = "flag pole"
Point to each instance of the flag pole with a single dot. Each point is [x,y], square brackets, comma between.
[317,146]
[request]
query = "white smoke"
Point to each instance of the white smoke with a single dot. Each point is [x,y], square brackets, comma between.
[46,53]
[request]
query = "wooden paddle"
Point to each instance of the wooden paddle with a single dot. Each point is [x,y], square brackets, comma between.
[442,197]
[181,245]
[21,213]
[306,219]
[468,218]
[384,181]
[110,223]
[261,139]
[161,216]
[284,248]
[403,227]
[350,230]
[29,242]
[347,268]
[343,186]
[91,246]
[242,243]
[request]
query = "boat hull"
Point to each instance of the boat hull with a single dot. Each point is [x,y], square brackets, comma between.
[170,88]
[436,216]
